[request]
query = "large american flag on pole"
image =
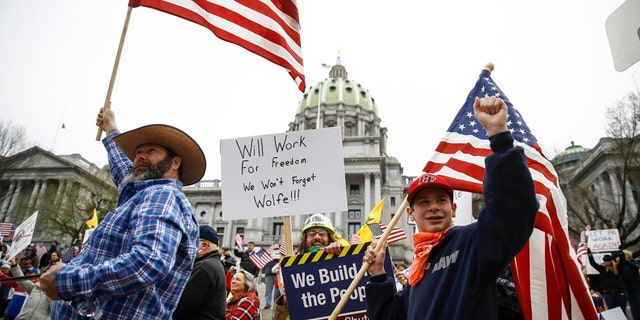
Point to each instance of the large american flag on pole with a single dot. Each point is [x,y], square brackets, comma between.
[268,28]
[548,279]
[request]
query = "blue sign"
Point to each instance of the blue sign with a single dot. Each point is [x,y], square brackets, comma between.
[315,283]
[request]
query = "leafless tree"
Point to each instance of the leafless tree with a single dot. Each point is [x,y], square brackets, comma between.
[12,140]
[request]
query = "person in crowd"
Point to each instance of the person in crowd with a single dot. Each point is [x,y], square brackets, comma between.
[38,305]
[629,269]
[269,281]
[30,259]
[54,258]
[400,273]
[136,263]
[245,263]
[598,301]
[244,303]
[6,294]
[46,258]
[611,285]
[3,250]
[454,271]
[229,262]
[205,294]
[229,277]
[508,304]
[317,234]
[15,294]
[6,269]
[227,259]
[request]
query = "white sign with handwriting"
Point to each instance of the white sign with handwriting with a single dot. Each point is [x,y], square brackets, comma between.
[284,174]
[603,240]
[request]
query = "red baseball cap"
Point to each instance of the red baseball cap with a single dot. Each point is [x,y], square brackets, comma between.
[428,181]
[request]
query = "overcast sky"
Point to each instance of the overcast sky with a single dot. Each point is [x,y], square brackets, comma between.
[418,59]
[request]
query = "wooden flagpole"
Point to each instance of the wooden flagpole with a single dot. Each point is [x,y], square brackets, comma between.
[365,265]
[115,66]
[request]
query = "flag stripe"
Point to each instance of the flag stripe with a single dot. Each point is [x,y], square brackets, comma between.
[555,288]
[267,28]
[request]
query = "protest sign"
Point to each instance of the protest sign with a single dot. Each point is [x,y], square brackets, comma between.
[284,174]
[315,283]
[23,236]
[87,235]
[603,240]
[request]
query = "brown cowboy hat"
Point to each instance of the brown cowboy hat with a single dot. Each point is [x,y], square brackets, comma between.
[193,160]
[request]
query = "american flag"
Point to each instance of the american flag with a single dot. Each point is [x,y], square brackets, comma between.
[396,234]
[239,241]
[548,279]
[354,239]
[260,258]
[376,229]
[582,246]
[5,229]
[40,250]
[67,255]
[283,248]
[268,28]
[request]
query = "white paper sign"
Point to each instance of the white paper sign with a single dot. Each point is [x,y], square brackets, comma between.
[284,174]
[613,314]
[23,235]
[603,240]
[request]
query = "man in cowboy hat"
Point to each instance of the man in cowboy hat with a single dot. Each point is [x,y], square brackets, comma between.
[137,262]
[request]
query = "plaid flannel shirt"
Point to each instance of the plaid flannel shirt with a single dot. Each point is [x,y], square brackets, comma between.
[138,260]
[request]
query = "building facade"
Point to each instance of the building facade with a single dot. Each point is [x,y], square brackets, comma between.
[57,186]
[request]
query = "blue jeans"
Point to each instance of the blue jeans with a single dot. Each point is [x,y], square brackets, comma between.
[268,295]
[615,299]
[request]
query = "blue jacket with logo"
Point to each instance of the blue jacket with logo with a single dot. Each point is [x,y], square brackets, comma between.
[459,280]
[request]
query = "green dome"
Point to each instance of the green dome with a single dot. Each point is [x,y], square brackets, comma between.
[570,155]
[338,89]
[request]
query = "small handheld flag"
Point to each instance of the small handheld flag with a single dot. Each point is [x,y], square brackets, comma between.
[260,258]
[239,241]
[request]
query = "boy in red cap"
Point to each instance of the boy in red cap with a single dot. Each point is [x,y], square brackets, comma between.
[454,271]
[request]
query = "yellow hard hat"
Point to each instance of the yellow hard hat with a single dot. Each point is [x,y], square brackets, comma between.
[318,220]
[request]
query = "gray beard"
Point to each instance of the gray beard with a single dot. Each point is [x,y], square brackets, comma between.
[155,171]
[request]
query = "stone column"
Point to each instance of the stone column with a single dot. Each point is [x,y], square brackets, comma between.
[42,194]
[367,193]
[34,194]
[4,210]
[377,193]
[15,197]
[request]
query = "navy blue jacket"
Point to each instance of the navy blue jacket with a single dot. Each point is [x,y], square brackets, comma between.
[459,280]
